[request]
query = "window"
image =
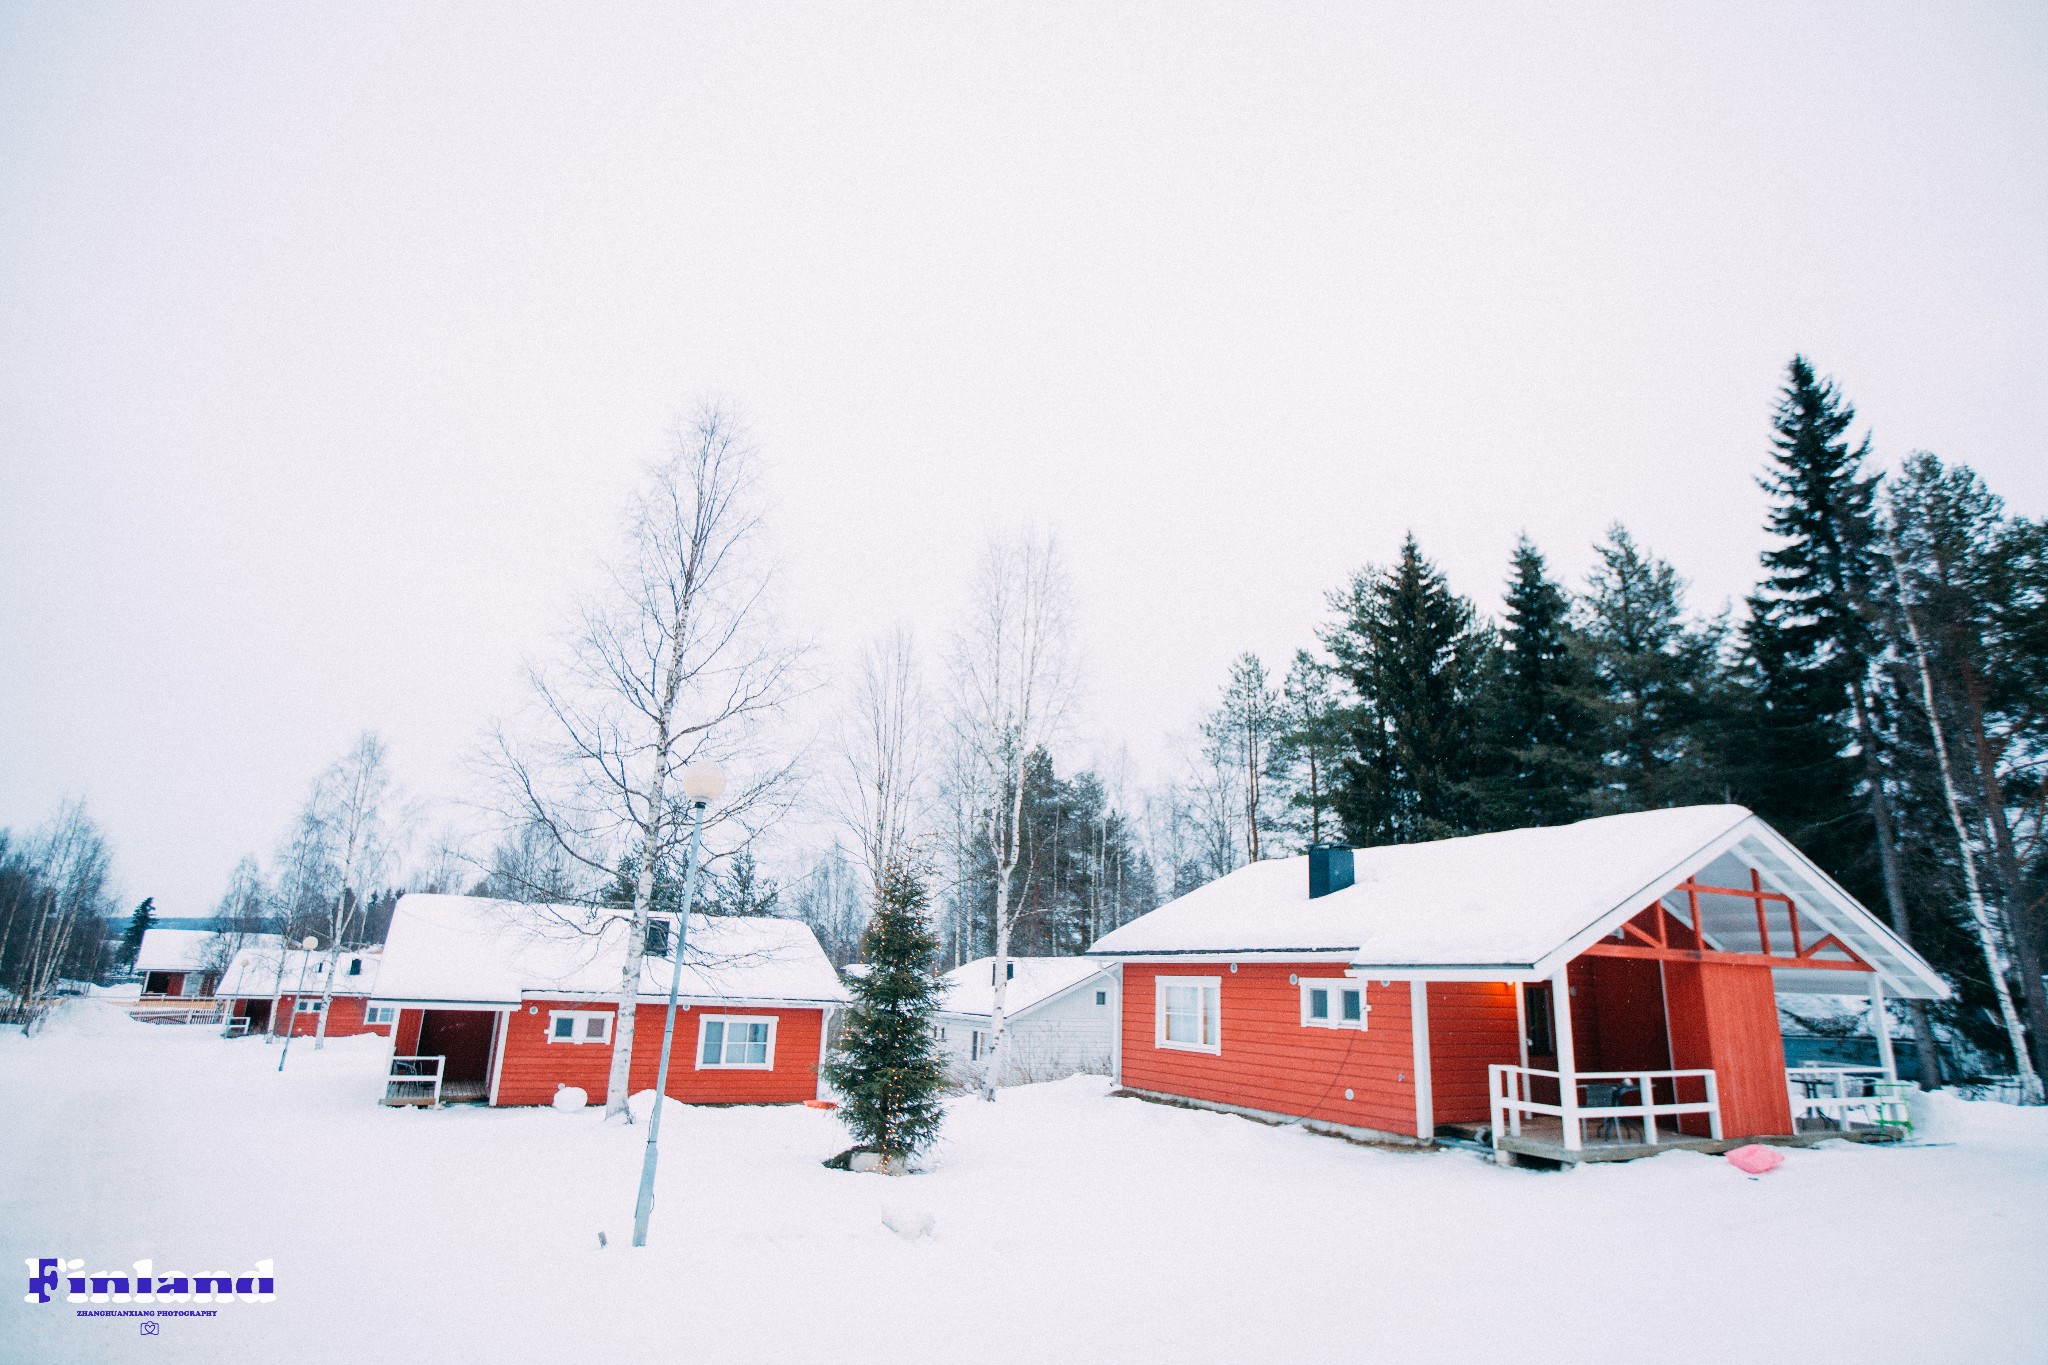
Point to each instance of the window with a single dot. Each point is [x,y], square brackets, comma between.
[579,1026]
[311,1006]
[977,1046]
[1102,997]
[736,1042]
[1536,1007]
[380,1014]
[1189,1012]
[1333,1002]
[656,944]
[355,966]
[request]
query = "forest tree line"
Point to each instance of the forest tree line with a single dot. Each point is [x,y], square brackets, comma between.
[1413,715]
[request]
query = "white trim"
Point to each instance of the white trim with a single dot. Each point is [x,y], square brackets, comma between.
[1521,991]
[1211,997]
[1116,1025]
[697,1048]
[368,1022]
[498,1034]
[1198,956]
[1418,1035]
[1567,1059]
[1881,1025]
[1336,987]
[824,1032]
[579,1034]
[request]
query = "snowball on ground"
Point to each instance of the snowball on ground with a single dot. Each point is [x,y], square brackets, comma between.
[1083,1227]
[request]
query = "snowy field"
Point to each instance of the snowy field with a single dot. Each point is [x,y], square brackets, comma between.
[1065,1226]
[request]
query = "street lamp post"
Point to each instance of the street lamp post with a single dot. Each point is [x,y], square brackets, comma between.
[307,944]
[702,784]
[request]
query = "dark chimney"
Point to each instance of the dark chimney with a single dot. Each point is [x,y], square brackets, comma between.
[1329,869]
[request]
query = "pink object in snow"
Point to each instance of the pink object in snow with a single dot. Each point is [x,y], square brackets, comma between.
[1756,1158]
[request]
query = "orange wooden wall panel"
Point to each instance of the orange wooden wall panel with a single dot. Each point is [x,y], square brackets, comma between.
[346,1017]
[1726,1017]
[1471,1027]
[1269,1061]
[533,1067]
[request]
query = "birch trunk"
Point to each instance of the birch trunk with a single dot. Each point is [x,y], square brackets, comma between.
[2018,922]
[1994,960]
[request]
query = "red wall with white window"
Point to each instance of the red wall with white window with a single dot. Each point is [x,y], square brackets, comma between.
[345,1015]
[534,1066]
[1271,1061]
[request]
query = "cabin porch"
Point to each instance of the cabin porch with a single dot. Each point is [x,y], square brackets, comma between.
[1669,1037]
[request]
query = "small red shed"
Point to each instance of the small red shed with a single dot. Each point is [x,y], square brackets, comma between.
[509,1003]
[178,969]
[267,985]
[1389,993]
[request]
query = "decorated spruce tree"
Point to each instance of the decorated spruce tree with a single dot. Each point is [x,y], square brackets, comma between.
[887,1066]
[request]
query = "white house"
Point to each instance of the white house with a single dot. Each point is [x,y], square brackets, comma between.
[1059,1018]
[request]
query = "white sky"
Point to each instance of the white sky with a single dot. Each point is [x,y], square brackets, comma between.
[330,337]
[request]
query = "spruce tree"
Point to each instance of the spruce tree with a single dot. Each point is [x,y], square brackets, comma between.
[1415,657]
[1309,751]
[887,1066]
[1538,720]
[1655,673]
[138,925]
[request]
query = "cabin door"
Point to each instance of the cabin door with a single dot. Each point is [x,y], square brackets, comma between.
[463,1038]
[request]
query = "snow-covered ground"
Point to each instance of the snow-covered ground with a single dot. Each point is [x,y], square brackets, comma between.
[1065,1226]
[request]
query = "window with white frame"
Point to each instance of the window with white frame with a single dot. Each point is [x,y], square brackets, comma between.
[311,1006]
[1190,1010]
[579,1026]
[1333,1002]
[736,1042]
[380,1014]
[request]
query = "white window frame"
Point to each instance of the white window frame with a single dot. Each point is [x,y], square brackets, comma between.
[374,1015]
[579,1034]
[1336,986]
[1211,1009]
[309,1005]
[725,1041]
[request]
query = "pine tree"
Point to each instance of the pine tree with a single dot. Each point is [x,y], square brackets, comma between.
[1538,719]
[1811,649]
[138,925]
[1415,657]
[1241,733]
[1308,753]
[742,890]
[1655,673]
[887,1066]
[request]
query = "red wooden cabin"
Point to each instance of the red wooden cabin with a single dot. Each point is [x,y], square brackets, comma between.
[1393,993]
[178,969]
[272,989]
[509,1003]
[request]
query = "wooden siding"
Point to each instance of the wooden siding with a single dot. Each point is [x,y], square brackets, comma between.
[407,1043]
[1726,1017]
[345,1015]
[1269,1061]
[534,1067]
[1618,1015]
[1471,1027]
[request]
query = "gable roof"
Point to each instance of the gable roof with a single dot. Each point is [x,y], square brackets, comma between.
[174,950]
[269,968]
[970,988]
[1519,904]
[467,950]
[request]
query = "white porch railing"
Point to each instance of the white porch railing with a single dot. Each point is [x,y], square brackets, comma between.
[177,1009]
[1509,1087]
[414,1080]
[1845,1095]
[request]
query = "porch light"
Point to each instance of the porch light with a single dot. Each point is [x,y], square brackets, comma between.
[703,782]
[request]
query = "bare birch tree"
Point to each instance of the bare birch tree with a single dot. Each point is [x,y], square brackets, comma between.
[303,869]
[1014,676]
[677,658]
[878,786]
[69,867]
[354,792]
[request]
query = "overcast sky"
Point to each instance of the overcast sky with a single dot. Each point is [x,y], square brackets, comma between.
[332,336]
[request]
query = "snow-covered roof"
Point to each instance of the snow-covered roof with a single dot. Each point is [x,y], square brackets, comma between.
[260,967]
[1520,903]
[970,988]
[174,950]
[470,950]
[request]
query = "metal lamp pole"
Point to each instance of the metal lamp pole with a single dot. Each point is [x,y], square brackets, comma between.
[308,944]
[702,783]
